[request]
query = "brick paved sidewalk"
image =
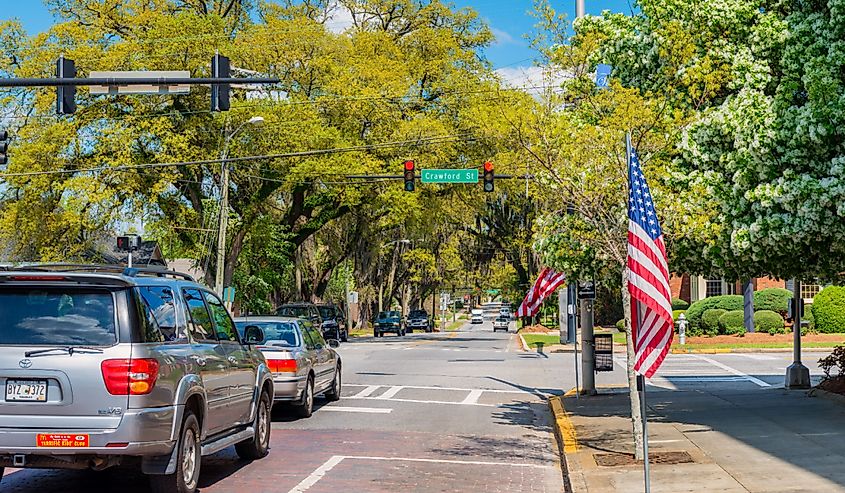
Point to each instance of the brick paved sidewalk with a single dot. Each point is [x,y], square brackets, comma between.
[757,440]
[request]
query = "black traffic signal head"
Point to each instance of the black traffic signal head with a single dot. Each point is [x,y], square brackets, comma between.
[409,174]
[220,92]
[65,95]
[488,176]
[4,146]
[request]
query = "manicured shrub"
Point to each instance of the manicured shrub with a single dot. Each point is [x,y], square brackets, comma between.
[710,320]
[679,304]
[829,310]
[732,322]
[727,302]
[773,299]
[620,325]
[769,321]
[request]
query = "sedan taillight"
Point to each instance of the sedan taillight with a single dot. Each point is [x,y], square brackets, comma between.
[136,376]
[282,365]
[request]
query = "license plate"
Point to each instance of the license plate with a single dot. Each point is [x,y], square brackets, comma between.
[61,440]
[26,390]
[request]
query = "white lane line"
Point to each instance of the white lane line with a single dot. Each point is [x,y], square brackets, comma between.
[349,409]
[391,392]
[367,391]
[318,474]
[473,396]
[732,370]
[516,391]
[419,401]
[409,348]
[327,466]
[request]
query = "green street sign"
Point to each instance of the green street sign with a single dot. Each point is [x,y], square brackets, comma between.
[449,175]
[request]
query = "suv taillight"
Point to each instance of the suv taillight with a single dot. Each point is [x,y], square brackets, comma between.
[135,376]
[281,365]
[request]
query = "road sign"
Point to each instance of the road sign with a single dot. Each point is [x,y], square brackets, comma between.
[449,175]
[138,89]
[586,290]
[353,297]
[602,74]
[229,295]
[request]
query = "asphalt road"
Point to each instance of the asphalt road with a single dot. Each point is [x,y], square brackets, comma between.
[454,412]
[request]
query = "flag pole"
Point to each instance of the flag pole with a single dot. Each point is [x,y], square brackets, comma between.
[641,383]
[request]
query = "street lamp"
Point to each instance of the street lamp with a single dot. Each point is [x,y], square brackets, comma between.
[224,203]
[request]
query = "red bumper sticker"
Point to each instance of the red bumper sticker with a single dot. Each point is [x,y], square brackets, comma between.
[61,440]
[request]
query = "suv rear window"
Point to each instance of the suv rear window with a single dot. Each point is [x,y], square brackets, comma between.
[294,311]
[57,316]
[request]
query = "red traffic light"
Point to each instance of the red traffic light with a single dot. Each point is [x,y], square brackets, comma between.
[409,165]
[488,166]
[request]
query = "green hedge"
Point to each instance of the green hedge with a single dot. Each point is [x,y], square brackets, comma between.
[772,299]
[679,304]
[726,302]
[732,322]
[620,325]
[829,310]
[710,320]
[769,321]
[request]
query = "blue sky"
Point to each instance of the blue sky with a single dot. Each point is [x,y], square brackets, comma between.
[509,19]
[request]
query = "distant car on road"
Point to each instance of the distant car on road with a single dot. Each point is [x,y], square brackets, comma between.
[302,363]
[334,322]
[302,309]
[477,316]
[419,320]
[501,323]
[389,321]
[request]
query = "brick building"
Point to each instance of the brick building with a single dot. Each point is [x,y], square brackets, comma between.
[693,288]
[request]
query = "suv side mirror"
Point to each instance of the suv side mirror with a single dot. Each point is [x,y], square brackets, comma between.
[333,343]
[253,335]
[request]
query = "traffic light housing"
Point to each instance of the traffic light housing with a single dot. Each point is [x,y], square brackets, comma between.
[410,175]
[65,95]
[220,92]
[488,176]
[128,243]
[4,146]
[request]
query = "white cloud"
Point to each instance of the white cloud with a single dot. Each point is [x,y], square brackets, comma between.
[534,79]
[502,37]
[339,19]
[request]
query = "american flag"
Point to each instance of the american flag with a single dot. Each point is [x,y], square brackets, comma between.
[648,271]
[545,285]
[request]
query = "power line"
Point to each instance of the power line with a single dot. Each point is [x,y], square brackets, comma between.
[315,152]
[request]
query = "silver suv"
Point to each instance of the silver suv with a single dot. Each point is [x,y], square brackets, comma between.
[103,366]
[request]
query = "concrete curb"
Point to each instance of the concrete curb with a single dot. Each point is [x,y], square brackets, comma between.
[824,394]
[678,350]
[522,344]
[567,440]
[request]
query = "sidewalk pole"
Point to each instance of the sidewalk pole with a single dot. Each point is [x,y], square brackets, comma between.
[641,388]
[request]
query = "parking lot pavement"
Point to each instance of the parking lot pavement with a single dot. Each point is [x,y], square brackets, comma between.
[442,412]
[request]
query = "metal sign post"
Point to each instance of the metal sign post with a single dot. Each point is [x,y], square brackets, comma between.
[586,294]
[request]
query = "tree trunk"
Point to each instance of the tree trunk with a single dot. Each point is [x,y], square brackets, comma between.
[636,416]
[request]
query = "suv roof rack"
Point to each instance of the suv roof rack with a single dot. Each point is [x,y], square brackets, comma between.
[117,269]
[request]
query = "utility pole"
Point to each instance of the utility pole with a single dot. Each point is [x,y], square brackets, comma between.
[579,9]
[797,375]
[224,204]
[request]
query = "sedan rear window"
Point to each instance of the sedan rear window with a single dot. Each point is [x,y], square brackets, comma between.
[275,333]
[57,316]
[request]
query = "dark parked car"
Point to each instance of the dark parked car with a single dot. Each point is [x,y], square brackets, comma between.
[390,321]
[302,309]
[334,322]
[419,320]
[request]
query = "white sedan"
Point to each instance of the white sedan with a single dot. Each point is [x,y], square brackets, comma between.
[501,323]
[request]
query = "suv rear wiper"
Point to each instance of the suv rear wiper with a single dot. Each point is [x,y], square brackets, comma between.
[67,349]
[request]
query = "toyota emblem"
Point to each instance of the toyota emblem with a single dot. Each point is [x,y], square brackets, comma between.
[25,363]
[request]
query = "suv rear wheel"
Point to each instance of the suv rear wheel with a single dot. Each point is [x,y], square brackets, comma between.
[187,474]
[259,445]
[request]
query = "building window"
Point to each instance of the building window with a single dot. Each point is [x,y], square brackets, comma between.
[809,291]
[713,287]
